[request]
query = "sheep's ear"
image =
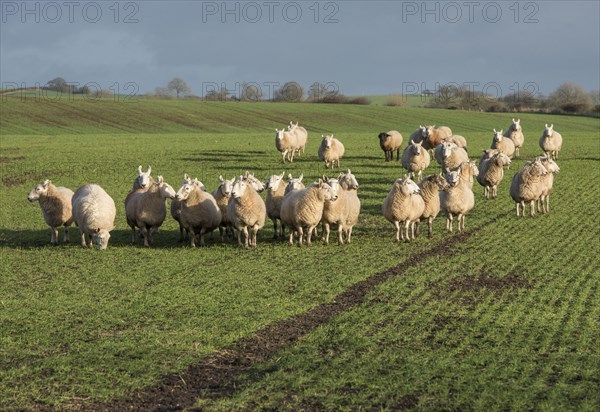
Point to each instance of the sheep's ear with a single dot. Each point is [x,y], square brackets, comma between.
[546,125]
[501,131]
[340,176]
[186,176]
[349,172]
[140,167]
[282,174]
[495,131]
[514,120]
[290,176]
[325,178]
[160,180]
[149,170]
[301,177]
[552,126]
[46,183]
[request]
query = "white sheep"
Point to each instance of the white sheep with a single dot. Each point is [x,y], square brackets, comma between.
[415,159]
[468,171]
[147,210]
[94,212]
[331,151]
[390,142]
[176,209]
[341,210]
[515,133]
[275,193]
[246,211]
[430,189]
[543,204]
[141,182]
[349,183]
[287,144]
[200,213]
[491,172]
[450,156]
[435,136]
[403,207]
[294,183]
[301,136]
[55,203]
[526,186]
[303,209]
[222,194]
[503,144]
[419,134]
[458,140]
[458,199]
[551,142]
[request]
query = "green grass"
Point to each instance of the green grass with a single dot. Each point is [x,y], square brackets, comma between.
[508,319]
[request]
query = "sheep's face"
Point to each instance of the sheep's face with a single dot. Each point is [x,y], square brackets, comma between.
[226,187]
[537,168]
[101,237]
[293,185]
[328,141]
[292,127]
[184,191]
[503,159]
[166,190]
[407,187]
[273,182]
[550,165]
[279,134]
[335,188]
[143,178]
[452,177]
[516,125]
[440,182]
[39,190]
[383,136]
[548,130]
[255,183]
[497,136]
[348,181]
[239,187]
[425,131]
[487,154]
[415,149]
[447,149]
[327,190]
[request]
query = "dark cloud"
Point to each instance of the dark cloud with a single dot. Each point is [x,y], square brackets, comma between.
[364,47]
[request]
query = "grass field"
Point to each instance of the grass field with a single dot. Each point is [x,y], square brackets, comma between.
[503,317]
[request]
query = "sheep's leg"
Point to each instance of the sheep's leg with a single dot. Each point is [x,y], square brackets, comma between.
[325,233]
[340,235]
[66,234]
[300,235]
[532,208]
[192,235]
[406,231]
[281,230]
[53,235]
[349,234]
[548,203]
[429,226]
[397,155]
[522,208]
[83,243]
[461,223]
[495,191]
[275,233]
[254,235]
[397,224]
[132,234]
[246,236]
[449,222]
[145,235]
[291,156]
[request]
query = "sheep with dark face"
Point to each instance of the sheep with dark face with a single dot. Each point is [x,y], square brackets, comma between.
[55,203]
[390,142]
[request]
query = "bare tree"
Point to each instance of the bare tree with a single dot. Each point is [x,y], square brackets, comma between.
[570,98]
[178,86]
[289,92]
[250,92]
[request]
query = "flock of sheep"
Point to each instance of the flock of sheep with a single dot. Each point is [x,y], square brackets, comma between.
[236,206]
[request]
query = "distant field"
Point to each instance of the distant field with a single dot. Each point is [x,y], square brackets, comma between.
[503,317]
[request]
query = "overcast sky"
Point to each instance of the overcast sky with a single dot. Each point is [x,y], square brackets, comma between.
[361,47]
